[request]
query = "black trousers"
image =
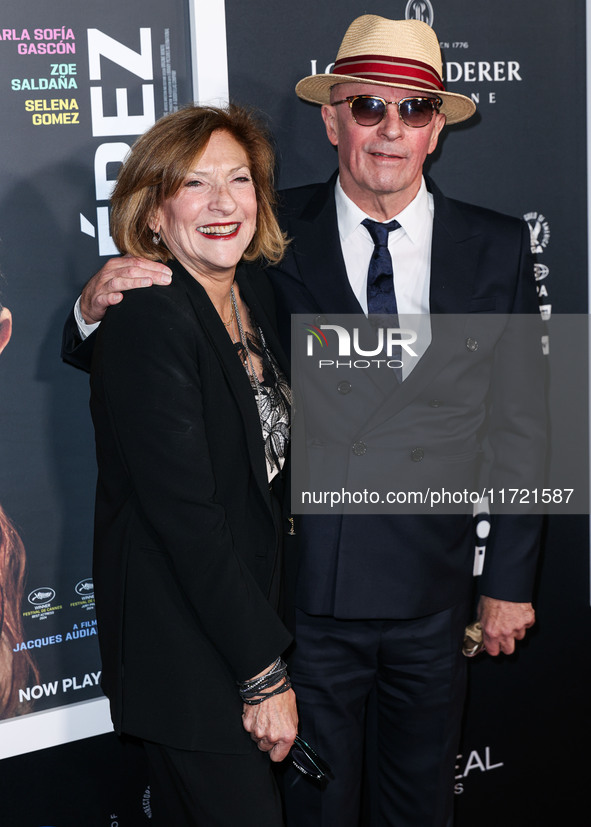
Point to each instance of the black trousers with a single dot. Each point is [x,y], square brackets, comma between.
[381,699]
[204,789]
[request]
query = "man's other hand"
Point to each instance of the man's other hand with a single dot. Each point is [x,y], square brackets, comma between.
[504,622]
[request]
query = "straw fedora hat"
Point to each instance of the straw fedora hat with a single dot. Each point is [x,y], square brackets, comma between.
[402,53]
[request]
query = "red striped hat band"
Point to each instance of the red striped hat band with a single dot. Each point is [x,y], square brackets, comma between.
[395,70]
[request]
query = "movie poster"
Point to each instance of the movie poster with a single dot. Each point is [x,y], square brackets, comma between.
[78,85]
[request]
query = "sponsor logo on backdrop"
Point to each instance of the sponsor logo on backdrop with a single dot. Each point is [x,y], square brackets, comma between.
[419,10]
[539,232]
[482,521]
[478,760]
[540,271]
[479,71]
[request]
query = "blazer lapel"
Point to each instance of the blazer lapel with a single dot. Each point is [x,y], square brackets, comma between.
[236,376]
[319,250]
[263,315]
[454,255]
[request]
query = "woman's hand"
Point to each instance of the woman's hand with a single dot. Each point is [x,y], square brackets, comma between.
[273,724]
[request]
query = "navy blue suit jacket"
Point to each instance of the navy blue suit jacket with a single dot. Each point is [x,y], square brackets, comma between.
[384,566]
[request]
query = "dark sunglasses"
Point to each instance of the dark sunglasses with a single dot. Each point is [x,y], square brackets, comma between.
[308,762]
[369,110]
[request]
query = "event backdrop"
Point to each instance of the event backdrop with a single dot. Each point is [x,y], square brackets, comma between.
[77,85]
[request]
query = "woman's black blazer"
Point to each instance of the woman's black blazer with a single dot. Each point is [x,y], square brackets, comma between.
[186,542]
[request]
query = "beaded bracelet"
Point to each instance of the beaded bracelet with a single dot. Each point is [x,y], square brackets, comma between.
[278,691]
[254,691]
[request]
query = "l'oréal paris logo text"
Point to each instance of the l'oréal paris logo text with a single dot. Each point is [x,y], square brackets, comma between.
[387,349]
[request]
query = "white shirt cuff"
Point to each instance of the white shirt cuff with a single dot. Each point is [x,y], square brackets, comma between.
[83,328]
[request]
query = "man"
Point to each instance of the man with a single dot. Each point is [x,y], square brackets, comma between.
[382,600]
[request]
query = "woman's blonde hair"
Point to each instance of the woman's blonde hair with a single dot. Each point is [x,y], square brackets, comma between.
[158,162]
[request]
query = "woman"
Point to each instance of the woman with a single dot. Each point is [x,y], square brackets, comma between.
[15,670]
[190,408]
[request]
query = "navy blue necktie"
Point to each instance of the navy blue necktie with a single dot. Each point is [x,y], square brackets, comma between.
[381,297]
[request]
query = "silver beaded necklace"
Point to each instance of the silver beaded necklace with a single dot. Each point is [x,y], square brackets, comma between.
[272,404]
[248,361]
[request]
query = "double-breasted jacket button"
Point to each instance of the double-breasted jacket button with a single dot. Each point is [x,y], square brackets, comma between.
[359,448]
[471,344]
[435,403]
[318,320]
[344,387]
[417,454]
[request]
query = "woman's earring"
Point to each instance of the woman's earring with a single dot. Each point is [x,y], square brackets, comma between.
[156,238]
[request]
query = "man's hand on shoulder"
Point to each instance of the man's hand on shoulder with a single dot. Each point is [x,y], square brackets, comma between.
[504,622]
[119,274]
